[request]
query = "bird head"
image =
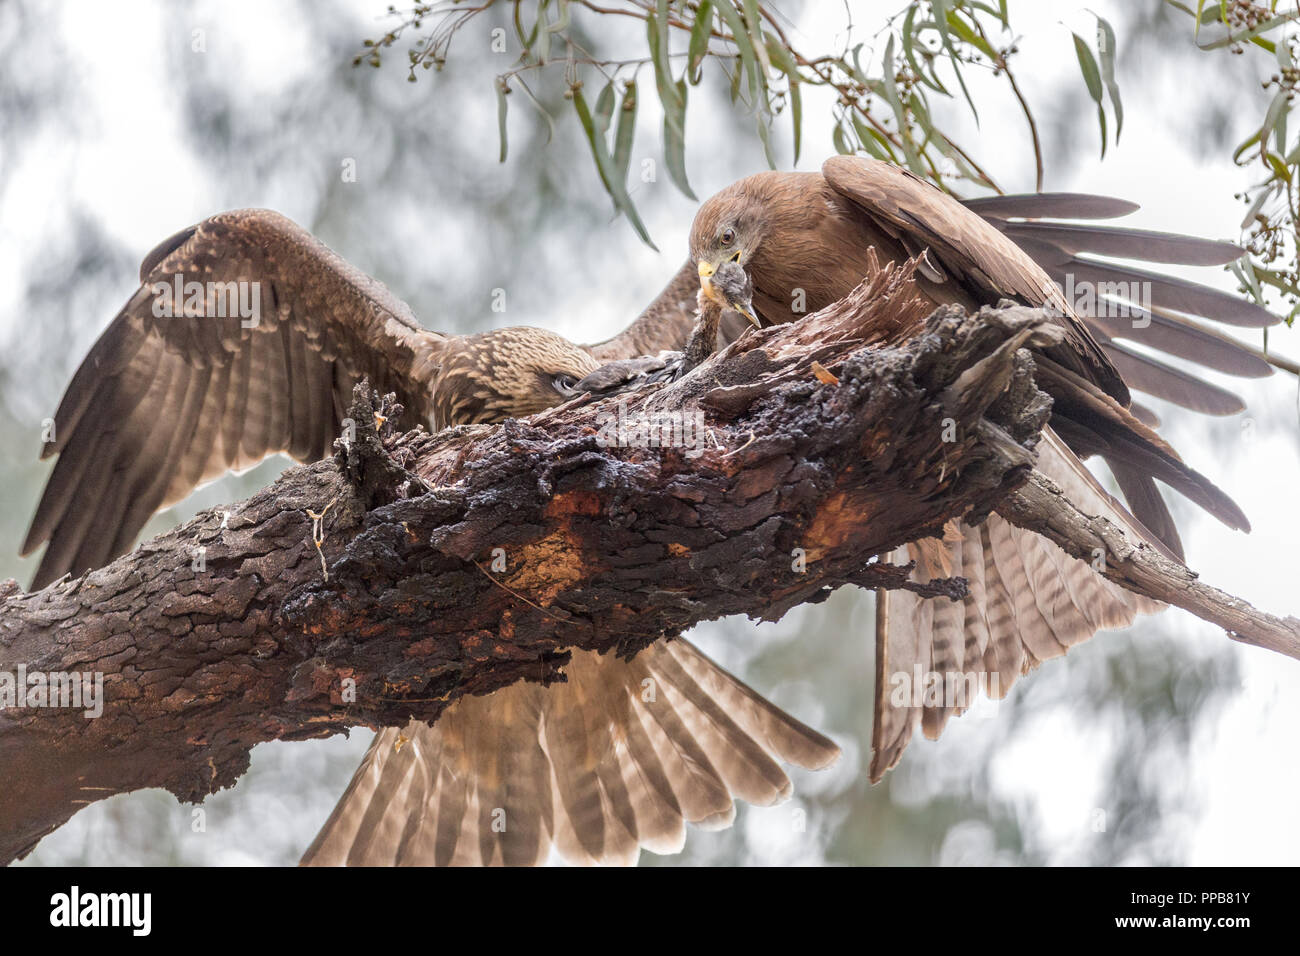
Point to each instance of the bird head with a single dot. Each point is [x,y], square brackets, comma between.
[727,232]
[508,373]
[729,286]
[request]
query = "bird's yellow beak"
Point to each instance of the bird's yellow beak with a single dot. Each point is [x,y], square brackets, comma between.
[711,291]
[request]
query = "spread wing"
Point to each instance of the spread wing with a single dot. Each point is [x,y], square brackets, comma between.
[619,757]
[1027,601]
[1175,317]
[188,383]
[968,255]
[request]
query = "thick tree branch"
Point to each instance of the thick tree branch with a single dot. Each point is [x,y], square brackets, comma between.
[382,585]
[1041,506]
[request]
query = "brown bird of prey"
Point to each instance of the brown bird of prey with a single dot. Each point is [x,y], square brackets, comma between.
[805,239]
[182,388]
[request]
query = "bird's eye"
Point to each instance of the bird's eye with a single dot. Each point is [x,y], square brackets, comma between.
[728,236]
[564,384]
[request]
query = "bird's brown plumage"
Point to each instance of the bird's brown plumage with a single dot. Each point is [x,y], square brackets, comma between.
[597,766]
[807,239]
[165,403]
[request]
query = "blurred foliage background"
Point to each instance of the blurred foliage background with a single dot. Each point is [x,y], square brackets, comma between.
[119,126]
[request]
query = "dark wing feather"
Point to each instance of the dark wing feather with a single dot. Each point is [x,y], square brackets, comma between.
[1145,244]
[161,404]
[1172,384]
[1063,249]
[973,254]
[1051,206]
[1167,292]
[1181,337]
[1090,409]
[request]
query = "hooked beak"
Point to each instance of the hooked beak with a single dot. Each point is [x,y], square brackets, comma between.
[744,307]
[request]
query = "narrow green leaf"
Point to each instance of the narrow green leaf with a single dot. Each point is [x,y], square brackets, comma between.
[754,26]
[1244,145]
[890,93]
[909,35]
[1088,66]
[675,145]
[961,80]
[780,56]
[1275,109]
[541,48]
[970,35]
[624,132]
[530,39]
[796,115]
[672,96]
[1244,270]
[1092,77]
[941,13]
[604,163]
[1107,48]
[841,142]
[1000,13]
[550,123]
[1279,166]
[748,59]
[872,142]
[598,149]
[502,106]
[657,35]
[604,108]
[1255,207]
[699,43]
[765,137]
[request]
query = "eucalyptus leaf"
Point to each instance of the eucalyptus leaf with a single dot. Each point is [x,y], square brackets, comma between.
[941,13]
[625,132]
[1088,67]
[754,25]
[675,146]
[604,162]
[502,106]
[550,123]
[698,47]
[970,35]
[1092,78]
[1107,49]
[1275,110]
[786,64]
[840,141]
[748,59]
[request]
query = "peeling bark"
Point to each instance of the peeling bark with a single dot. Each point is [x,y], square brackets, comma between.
[398,611]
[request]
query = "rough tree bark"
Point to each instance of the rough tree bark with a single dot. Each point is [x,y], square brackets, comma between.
[823,449]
